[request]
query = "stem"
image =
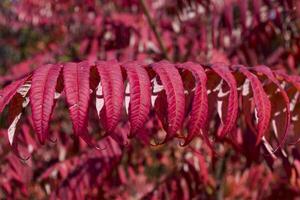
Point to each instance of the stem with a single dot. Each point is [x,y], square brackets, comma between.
[154,29]
[220,172]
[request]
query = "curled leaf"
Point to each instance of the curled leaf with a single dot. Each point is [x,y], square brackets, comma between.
[112,87]
[199,110]
[173,87]
[232,106]
[262,103]
[139,95]
[42,96]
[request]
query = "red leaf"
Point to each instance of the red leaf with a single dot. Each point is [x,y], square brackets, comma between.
[139,95]
[15,109]
[232,107]
[7,93]
[262,103]
[76,81]
[112,87]
[173,87]
[199,110]
[269,74]
[42,96]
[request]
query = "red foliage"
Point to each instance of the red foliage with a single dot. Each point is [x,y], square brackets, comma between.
[237,127]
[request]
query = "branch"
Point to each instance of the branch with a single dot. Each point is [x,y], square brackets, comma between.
[154,29]
[220,172]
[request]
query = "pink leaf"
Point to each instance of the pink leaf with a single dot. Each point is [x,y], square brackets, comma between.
[262,103]
[269,74]
[7,93]
[173,87]
[232,107]
[42,95]
[111,82]
[76,81]
[199,110]
[139,95]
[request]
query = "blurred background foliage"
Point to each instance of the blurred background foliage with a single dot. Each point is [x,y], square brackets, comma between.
[35,32]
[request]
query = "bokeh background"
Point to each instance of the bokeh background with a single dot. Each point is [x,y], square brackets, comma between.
[35,32]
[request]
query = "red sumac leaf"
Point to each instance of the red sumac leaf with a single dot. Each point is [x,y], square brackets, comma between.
[173,87]
[199,110]
[42,95]
[14,115]
[262,103]
[7,93]
[112,88]
[76,82]
[269,74]
[15,111]
[139,95]
[232,107]
[293,93]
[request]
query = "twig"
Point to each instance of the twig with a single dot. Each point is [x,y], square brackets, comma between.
[154,29]
[220,172]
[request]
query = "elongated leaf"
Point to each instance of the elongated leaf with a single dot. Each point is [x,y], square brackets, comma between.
[139,95]
[173,87]
[7,93]
[232,107]
[42,96]
[15,109]
[112,87]
[76,81]
[199,110]
[269,74]
[293,90]
[262,103]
